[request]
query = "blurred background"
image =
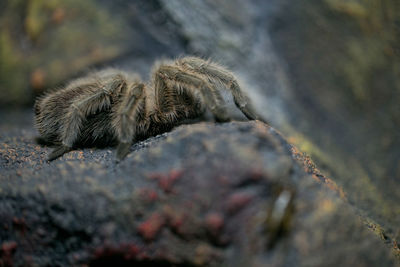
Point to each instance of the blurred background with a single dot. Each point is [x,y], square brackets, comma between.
[326,73]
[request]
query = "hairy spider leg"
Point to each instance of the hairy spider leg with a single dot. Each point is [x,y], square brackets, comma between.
[218,73]
[214,86]
[165,99]
[97,100]
[125,121]
[189,83]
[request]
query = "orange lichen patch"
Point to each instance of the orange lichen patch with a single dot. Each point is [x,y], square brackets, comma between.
[330,184]
[152,226]
[261,127]
[309,167]
[396,249]
[38,79]
[80,155]
[308,164]
[58,15]
[292,140]
[328,206]
[377,229]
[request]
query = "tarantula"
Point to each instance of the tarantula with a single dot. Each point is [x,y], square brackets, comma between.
[113,107]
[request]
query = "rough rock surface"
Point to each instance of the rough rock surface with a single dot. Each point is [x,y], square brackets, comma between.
[342,60]
[325,73]
[233,194]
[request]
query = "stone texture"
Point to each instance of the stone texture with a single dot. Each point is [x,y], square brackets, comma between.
[325,73]
[343,61]
[202,195]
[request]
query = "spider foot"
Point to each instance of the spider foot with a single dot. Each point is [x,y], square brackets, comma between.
[122,150]
[250,113]
[58,152]
[220,114]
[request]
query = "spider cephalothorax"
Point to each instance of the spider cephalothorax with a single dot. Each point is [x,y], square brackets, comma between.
[113,107]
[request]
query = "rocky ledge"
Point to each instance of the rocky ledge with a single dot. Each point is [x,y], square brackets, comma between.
[232,194]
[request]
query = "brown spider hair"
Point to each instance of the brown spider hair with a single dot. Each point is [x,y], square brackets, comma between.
[112,107]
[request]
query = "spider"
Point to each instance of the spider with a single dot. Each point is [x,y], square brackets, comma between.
[115,108]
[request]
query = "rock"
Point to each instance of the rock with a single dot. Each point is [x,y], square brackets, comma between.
[342,60]
[325,73]
[206,194]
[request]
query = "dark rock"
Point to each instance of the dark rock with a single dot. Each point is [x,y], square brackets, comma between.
[232,194]
[325,73]
[343,60]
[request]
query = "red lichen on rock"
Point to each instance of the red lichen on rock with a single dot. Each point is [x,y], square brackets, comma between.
[166,182]
[131,251]
[175,174]
[214,222]
[6,253]
[148,194]
[150,228]
[126,250]
[8,247]
[237,201]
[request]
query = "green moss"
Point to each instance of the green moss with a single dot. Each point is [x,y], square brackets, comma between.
[364,57]
[11,71]
[362,190]
[380,232]
[57,38]
[35,18]
[353,7]
[371,49]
